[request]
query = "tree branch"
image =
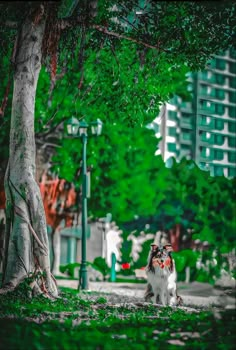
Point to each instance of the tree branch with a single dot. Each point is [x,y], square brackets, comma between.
[47,144]
[11,24]
[51,131]
[121,36]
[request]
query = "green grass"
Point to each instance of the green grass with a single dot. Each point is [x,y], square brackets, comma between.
[88,321]
[130,280]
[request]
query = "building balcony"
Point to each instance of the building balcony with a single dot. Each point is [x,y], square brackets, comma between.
[184,140]
[223,162]
[206,127]
[204,159]
[225,146]
[186,124]
[205,143]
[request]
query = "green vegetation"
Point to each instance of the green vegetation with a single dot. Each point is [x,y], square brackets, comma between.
[123,83]
[201,205]
[121,73]
[89,321]
[98,264]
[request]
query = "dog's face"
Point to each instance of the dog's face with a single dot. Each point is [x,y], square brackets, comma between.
[160,257]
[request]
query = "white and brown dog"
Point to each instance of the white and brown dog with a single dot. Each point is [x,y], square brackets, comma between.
[162,276]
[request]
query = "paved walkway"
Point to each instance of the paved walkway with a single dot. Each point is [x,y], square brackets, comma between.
[194,294]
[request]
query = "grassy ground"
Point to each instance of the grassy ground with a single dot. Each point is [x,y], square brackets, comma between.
[92,321]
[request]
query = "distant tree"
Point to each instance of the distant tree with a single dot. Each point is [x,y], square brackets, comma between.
[215,217]
[192,205]
[183,192]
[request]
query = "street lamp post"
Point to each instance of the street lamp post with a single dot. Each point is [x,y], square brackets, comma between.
[74,128]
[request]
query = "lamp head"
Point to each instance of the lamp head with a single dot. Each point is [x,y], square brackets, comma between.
[96,127]
[83,126]
[72,126]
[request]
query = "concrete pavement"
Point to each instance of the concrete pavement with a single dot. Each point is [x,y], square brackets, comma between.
[194,294]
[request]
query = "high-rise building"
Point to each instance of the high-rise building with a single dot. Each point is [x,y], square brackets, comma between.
[204,128]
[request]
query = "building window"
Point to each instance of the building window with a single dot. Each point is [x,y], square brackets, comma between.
[232,82]
[218,154]
[207,105]
[212,63]
[232,142]
[186,118]
[232,112]
[186,135]
[220,79]
[219,139]
[172,115]
[172,131]
[219,124]
[232,157]
[219,109]
[186,104]
[205,152]
[203,120]
[232,172]
[232,67]
[211,91]
[203,89]
[206,120]
[204,75]
[186,115]
[206,136]
[171,147]
[220,64]
[232,96]
[220,94]
[218,170]
[185,147]
[232,127]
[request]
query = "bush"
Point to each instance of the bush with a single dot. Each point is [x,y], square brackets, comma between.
[100,264]
[70,269]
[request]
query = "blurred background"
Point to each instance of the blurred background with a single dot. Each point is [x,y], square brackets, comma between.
[171,179]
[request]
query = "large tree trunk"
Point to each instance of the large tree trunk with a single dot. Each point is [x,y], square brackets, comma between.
[26,240]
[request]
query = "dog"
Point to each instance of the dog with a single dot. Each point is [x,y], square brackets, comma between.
[162,276]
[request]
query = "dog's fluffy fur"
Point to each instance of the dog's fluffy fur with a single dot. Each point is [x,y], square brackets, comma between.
[161,276]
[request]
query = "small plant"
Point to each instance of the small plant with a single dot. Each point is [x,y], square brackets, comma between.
[101,300]
[100,264]
[70,269]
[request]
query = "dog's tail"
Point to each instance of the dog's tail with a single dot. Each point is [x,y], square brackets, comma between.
[179,300]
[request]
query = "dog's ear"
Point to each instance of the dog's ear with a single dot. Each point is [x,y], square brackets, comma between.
[153,247]
[168,247]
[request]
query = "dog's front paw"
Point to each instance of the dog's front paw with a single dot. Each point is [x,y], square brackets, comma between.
[173,301]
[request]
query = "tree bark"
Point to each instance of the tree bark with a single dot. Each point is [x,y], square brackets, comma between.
[175,237]
[26,249]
